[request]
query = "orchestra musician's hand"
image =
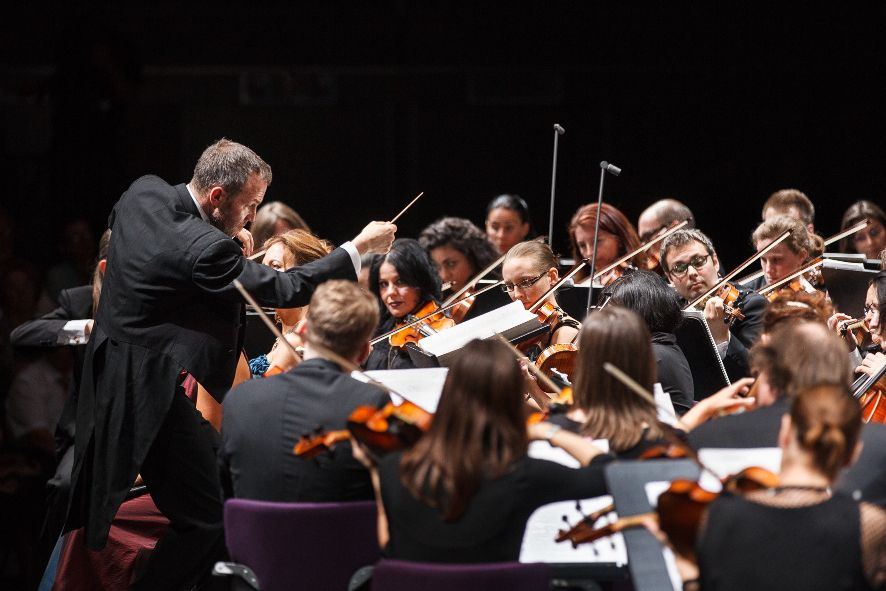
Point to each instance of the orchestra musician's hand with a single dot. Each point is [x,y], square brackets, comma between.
[686,567]
[535,396]
[728,400]
[247,243]
[87,330]
[715,314]
[871,363]
[834,325]
[376,237]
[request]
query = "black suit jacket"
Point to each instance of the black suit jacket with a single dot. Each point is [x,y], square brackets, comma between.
[168,305]
[264,419]
[744,333]
[73,304]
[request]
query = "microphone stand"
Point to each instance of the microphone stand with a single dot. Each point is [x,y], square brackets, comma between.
[604,167]
[558,131]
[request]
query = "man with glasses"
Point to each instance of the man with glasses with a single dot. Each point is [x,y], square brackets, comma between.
[690,263]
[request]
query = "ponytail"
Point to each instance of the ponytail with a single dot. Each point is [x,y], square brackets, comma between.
[827,421]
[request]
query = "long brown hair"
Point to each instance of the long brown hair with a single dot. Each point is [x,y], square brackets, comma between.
[615,412]
[479,430]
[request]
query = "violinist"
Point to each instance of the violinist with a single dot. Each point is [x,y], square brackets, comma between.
[801,534]
[796,355]
[265,418]
[405,282]
[603,407]
[282,252]
[465,490]
[868,241]
[867,362]
[658,218]
[789,256]
[458,248]
[617,237]
[529,270]
[691,265]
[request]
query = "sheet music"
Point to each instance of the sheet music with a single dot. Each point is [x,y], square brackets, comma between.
[498,321]
[544,525]
[727,461]
[422,386]
[666,412]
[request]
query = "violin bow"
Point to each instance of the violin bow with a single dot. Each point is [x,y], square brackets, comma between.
[738,270]
[643,393]
[539,374]
[828,241]
[470,283]
[770,288]
[323,350]
[412,323]
[264,317]
[642,248]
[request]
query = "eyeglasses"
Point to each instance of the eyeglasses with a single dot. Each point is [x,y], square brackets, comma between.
[697,262]
[525,284]
[871,309]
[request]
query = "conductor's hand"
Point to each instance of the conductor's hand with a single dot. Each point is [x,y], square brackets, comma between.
[376,238]
[244,237]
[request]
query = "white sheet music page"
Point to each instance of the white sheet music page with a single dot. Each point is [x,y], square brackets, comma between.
[422,386]
[728,461]
[544,525]
[504,321]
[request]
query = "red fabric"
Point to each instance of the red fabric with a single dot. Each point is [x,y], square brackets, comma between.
[134,532]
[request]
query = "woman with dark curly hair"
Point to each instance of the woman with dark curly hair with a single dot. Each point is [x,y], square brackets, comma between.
[404,281]
[458,248]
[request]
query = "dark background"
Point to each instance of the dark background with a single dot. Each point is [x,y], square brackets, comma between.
[358,107]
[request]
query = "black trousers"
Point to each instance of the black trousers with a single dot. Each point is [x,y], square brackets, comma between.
[181,473]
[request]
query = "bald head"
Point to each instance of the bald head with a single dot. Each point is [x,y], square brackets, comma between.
[662,214]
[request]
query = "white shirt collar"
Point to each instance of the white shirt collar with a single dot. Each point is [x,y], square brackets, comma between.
[197,203]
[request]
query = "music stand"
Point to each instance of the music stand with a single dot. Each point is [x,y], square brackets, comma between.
[627,482]
[695,340]
[847,285]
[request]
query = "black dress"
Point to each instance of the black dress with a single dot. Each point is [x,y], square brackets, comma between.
[791,539]
[673,371]
[491,529]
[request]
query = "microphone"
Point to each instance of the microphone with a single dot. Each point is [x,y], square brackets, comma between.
[610,168]
[559,129]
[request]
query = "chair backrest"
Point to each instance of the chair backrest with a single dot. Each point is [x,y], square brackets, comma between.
[396,575]
[302,545]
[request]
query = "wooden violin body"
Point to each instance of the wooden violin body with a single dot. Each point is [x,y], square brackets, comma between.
[383,430]
[432,323]
[560,357]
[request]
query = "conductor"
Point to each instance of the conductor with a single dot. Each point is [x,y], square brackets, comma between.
[169,308]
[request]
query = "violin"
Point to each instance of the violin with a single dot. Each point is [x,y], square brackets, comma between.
[461,309]
[730,295]
[679,510]
[559,357]
[381,431]
[872,396]
[432,323]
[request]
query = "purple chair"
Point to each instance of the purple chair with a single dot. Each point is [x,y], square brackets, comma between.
[397,575]
[301,545]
